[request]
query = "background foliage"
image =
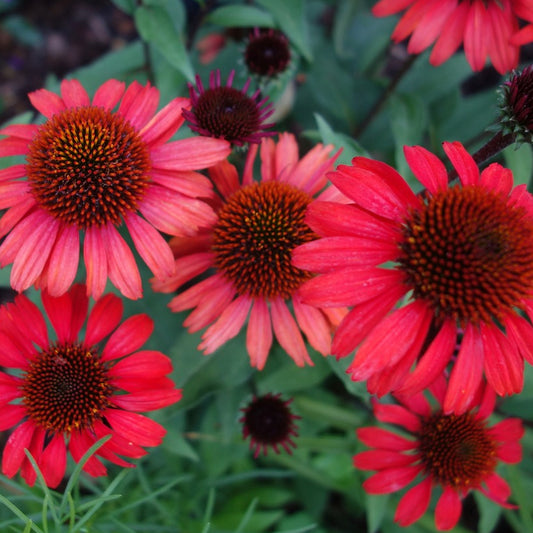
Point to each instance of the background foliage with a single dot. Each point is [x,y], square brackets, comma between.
[204,479]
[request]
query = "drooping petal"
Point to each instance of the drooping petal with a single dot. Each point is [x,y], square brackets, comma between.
[466,373]
[95,256]
[151,246]
[63,262]
[414,503]
[137,428]
[391,479]
[287,332]
[259,334]
[448,509]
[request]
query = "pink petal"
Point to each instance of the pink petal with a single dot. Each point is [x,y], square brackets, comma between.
[381,460]
[135,427]
[74,95]
[53,462]
[384,8]
[227,326]
[466,373]
[259,334]
[13,455]
[10,416]
[361,320]
[139,104]
[451,36]
[475,40]
[121,266]
[349,286]
[34,248]
[287,332]
[128,337]
[427,167]
[225,178]
[413,504]
[94,252]
[165,123]
[147,400]
[154,250]
[389,341]
[374,437]
[80,442]
[63,263]
[333,219]
[13,172]
[463,162]
[46,102]
[147,364]
[103,319]
[391,479]
[174,213]
[433,361]
[504,367]
[186,182]
[448,509]
[314,325]
[109,94]
[193,153]
[22,131]
[397,414]
[497,179]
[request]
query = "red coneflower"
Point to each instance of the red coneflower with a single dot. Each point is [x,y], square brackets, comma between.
[227,113]
[69,392]
[269,423]
[249,250]
[458,453]
[89,169]
[484,27]
[463,255]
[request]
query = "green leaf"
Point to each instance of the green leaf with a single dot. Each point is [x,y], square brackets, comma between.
[350,147]
[127,6]
[240,16]
[520,160]
[156,27]
[409,120]
[290,17]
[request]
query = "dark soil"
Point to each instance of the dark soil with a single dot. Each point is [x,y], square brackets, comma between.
[38,38]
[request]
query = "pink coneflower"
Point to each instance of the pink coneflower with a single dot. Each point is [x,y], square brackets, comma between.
[269,423]
[462,255]
[227,113]
[89,169]
[69,392]
[249,249]
[484,27]
[458,453]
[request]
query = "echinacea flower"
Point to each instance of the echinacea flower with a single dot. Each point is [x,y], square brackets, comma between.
[70,390]
[458,453]
[484,27]
[269,423]
[461,257]
[224,112]
[246,255]
[267,52]
[90,169]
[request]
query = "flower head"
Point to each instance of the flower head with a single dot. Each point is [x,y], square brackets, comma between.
[462,254]
[227,113]
[458,453]
[72,390]
[517,105]
[484,27]
[248,250]
[269,423]
[89,169]
[267,52]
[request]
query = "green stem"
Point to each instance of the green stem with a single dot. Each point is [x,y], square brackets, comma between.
[378,106]
[336,416]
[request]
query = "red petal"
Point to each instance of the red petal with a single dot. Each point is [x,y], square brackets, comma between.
[414,503]
[448,509]
[128,337]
